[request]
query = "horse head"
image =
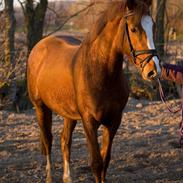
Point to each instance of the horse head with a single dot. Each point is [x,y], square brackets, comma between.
[138,38]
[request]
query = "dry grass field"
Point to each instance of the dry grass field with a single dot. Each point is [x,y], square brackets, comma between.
[145,148]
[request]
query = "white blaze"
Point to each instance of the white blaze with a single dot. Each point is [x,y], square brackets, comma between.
[147,25]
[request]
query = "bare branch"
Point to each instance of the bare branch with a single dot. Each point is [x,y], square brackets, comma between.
[52,10]
[22,6]
[69,18]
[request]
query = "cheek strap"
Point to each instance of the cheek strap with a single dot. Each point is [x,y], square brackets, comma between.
[135,53]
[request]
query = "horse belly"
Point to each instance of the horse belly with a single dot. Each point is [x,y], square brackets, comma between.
[57,92]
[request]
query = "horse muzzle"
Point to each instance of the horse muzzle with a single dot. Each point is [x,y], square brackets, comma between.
[151,71]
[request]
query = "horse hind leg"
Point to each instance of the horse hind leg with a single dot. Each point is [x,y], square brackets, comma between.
[66,140]
[44,117]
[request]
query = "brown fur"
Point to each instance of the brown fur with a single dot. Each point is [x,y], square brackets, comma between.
[84,82]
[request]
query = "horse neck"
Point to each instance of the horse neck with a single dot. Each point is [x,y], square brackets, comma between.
[104,53]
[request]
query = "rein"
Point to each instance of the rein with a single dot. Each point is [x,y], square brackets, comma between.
[162,96]
[173,111]
[135,53]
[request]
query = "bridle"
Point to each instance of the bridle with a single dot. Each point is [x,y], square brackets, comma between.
[135,53]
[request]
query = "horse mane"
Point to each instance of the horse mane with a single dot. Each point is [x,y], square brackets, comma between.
[113,10]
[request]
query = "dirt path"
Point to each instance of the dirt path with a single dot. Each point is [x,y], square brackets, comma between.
[145,148]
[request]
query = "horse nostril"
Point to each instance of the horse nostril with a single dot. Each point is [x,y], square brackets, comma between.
[151,74]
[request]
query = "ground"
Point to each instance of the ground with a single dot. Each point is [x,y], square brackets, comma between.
[145,149]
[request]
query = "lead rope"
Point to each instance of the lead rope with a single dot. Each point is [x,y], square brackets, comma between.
[181,123]
[162,96]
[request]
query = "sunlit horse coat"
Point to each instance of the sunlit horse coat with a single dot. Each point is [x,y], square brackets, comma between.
[87,81]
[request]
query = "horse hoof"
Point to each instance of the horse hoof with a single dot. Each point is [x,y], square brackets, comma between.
[49,179]
[67,180]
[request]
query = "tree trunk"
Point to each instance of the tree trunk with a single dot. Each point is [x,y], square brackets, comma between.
[9,49]
[154,8]
[34,18]
[34,14]
[9,32]
[160,18]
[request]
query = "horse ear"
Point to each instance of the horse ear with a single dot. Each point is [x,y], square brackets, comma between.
[130,4]
[149,2]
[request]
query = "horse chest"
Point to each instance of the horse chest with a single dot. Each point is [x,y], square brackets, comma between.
[102,105]
[106,111]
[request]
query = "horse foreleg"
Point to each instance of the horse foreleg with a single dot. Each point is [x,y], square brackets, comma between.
[66,140]
[108,135]
[44,117]
[91,127]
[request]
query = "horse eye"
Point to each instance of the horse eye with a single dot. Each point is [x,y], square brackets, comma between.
[134,30]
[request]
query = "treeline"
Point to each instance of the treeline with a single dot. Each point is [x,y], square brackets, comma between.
[34,14]
[17,42]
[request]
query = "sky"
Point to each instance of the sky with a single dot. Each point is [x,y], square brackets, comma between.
[1,5]
[16,3]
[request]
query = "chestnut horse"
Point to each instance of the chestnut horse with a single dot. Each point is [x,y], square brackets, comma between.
[86,81]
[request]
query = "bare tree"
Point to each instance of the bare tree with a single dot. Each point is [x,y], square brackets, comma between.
[68,18]
[1,5]
[34,13]
[160,18]
[9,32]
[9,50]
[154,9]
